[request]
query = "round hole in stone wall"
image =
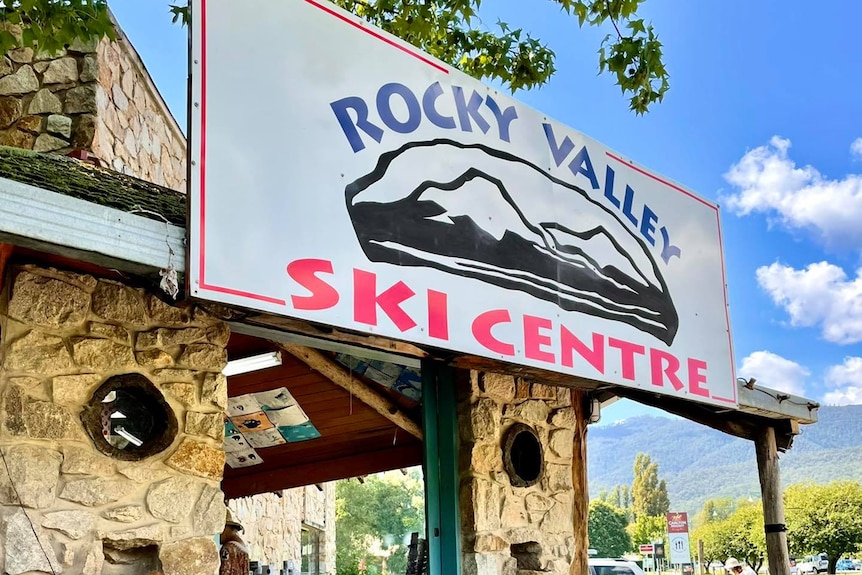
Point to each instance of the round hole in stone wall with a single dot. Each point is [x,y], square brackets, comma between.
[128,418]
[522,455]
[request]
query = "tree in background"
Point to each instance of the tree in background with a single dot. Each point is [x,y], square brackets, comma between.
[646,529]
[824,519]
[375,519]
[619,497]
[649,494]
[714,510]
[607,529]
[450,31]
[739,535]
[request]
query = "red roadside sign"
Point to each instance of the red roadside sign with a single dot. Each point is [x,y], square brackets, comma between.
[646,549]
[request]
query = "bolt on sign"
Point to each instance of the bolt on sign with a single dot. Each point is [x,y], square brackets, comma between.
[376,189]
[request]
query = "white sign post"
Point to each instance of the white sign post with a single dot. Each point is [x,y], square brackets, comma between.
[341,176]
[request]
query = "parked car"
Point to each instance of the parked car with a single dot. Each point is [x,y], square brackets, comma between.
[845,565]
[857,564]
[613,567]
[814,564]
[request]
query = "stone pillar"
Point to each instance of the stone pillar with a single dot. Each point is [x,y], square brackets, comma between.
[508,529]
[63,335]
[273,524]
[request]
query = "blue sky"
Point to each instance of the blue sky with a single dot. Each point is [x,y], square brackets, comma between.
[764,116]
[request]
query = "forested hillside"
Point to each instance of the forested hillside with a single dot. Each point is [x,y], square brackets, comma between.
[700,463]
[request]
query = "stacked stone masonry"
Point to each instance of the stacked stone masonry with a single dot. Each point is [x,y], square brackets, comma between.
[510,530]
[63,334]
[96,97]
[273,522]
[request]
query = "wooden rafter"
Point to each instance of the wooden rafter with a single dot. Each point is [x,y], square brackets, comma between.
[340,376]
[5,253]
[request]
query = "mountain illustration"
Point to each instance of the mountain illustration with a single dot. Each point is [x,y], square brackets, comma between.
[476,212]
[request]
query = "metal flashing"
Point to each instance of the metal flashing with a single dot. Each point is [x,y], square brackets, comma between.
[774,404]
[55,223]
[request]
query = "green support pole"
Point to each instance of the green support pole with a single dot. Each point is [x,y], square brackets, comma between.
[440,427]
[432,466]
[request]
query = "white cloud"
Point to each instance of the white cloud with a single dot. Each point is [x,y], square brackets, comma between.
[769,182]
[846,381]
[856,148]
[772,370]
[819,295]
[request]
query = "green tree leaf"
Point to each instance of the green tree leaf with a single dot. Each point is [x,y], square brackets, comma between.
[607,530]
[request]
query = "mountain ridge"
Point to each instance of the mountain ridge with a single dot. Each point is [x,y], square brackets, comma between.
[700,463]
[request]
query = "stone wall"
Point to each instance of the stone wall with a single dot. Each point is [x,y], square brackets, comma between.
[135,132]
[96,97]
[505,529]
[63,334]
[273,522]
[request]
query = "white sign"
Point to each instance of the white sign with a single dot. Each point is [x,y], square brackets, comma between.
[343,177]
[680,552]
[677,533]
[646,549]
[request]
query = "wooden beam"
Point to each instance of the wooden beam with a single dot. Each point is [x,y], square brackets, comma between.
[730,421]
[773,505]
[333,334]
[5,253]
[581,499]
[298,473]
[340,376]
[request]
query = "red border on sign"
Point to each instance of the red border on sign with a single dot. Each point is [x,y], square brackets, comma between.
[638,169]
[202,283]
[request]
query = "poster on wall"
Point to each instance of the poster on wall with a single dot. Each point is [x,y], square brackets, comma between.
[341,176]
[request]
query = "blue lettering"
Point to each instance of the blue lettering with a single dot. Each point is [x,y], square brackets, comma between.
[648,221]
[414,112]
[471,110]
[581,164]
[627,205]
[504,118]
[429,99]
[609,187]
[561,152]
[668,250]
[348,126]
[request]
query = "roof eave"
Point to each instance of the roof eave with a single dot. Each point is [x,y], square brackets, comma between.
[40,219]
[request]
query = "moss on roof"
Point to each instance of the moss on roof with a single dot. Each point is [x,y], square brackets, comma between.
[84,181]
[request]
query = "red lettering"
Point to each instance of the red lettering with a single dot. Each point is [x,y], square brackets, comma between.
[533,340]
[482,326]
[627,354]
[438,315]
[696,377]
[569,342]
[303,272]
[663,363]
[366,301]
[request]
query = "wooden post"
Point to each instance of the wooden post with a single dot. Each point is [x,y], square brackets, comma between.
[773,504]
[5,253]
[581,498]
[700,556]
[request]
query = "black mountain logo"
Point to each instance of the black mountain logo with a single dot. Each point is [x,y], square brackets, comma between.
[473,211]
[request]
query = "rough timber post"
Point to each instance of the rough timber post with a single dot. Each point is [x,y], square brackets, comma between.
[773,504]
[581,499]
